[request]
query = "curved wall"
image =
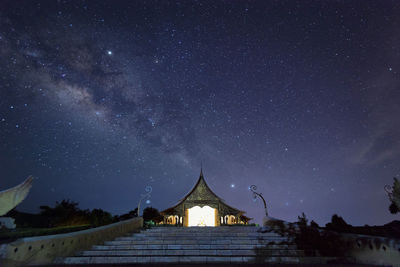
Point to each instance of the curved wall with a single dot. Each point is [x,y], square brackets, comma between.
[44,249]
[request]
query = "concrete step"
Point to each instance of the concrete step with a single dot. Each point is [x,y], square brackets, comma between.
[205,235]
[196,245]
[204,229]
[141,238]
[193,252]
[195,259]
[213,246]
[221,229]
[202,241]
[186,259]
[282,241]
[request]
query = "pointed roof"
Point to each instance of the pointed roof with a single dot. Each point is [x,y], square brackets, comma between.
[200,181]
[201,188]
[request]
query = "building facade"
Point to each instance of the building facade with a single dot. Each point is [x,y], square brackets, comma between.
[202,207]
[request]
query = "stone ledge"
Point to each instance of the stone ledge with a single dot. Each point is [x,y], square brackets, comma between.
[44,249]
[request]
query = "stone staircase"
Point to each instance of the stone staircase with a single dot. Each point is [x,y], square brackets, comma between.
[224,244]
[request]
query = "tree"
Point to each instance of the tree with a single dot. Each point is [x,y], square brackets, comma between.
[337,224]
[393,208]
[127,216]
[394,196]
[100,217]
[152,214]
[65,213]
[302,220]
[314,224]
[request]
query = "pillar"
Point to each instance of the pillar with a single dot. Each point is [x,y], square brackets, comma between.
[186,218]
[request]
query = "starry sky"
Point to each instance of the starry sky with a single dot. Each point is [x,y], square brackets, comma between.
[99,99]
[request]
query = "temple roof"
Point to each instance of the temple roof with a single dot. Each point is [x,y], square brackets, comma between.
[201,191]
[200,182]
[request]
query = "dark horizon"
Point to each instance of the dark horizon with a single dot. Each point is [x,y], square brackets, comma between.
[100,99]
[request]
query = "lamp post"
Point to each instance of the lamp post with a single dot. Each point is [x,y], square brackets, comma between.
[389,191]
[253,189]
[148,190]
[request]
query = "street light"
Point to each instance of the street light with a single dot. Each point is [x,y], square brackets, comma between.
[148,190]
[253,189]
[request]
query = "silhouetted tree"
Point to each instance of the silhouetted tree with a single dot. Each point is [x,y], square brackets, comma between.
[302,222]
[393,208]
[314,224]
[394,196]
[126,216]
[65,213]
[152,214]
[100,217]
[338,224]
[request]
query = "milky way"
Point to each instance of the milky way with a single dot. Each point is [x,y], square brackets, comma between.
[100,99]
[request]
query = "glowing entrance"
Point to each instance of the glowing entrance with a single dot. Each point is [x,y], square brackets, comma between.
[204,216]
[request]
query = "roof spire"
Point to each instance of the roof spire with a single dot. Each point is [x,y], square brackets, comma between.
[201,169]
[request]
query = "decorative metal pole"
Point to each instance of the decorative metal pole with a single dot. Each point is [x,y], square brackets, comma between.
[253,189]
[389,191]
[148,190]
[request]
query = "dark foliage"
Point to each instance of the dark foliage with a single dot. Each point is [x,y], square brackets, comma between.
[393,208]
[310,238]
[302,220]
[277,226]
[338,224]
[391,230]
[100,217]
[64,213]
[24,219]
[328,243]
[152,214]
[126,216]
[395,194]
[314,224]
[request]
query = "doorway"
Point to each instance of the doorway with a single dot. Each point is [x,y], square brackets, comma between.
[204,216]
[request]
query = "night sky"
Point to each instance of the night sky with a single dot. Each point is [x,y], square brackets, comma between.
[99,99]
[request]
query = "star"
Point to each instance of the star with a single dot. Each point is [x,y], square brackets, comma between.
[178,93]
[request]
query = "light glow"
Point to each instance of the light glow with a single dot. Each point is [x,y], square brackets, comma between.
[204,216]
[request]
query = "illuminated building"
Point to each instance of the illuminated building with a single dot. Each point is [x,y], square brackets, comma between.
[202,207]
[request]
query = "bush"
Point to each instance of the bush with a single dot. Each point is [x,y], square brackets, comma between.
[100,217]
[152,214]
[126,216]
[65,213]
[310,237]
